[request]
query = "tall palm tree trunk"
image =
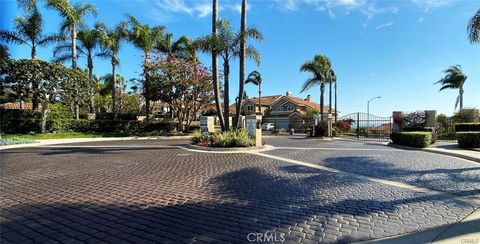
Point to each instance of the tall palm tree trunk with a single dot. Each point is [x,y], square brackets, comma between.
[226,97]
[35,100]
[336,112]
[74,46]
[114,81]
[461,97]
[90,77]
[241,80]
[146,63]
[322,91]
[330,97]
[216,85]
[260,98]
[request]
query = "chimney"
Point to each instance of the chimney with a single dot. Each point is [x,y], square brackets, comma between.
[288,94]
[308,99]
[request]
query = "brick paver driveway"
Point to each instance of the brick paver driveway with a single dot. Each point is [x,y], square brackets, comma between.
[152,191]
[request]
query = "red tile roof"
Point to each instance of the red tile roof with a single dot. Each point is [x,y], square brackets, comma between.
[16,105]
[266,100]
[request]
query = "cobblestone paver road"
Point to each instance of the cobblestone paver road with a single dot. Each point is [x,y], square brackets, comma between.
[434,171]
[147,191]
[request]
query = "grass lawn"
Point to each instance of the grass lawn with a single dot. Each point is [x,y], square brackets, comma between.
[82,135]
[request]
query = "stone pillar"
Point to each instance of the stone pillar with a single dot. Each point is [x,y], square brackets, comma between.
[397,118]
[207,125]
[254,128]
[330,119]
[431,118]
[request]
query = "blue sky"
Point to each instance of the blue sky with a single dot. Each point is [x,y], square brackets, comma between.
[393,49]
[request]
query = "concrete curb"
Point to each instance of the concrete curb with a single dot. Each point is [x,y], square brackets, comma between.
[431,150]
[196,148]
[46,142]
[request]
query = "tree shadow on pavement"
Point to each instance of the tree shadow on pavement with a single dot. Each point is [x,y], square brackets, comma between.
[304,204]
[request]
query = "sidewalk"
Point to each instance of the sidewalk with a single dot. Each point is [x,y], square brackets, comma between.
[452,149]
[46,142]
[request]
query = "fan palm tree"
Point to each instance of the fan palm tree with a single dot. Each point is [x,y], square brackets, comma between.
[73,17]
[227,44]
[474,28]
[29,32]
[454,79]
[241,54]
[256,78]
[145,38]
[88,40]
[320,68]
[110,42]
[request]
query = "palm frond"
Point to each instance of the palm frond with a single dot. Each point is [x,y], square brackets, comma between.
[310,83]
[49,39]
[12,37]
[62,58]
[473,28]
[253,54]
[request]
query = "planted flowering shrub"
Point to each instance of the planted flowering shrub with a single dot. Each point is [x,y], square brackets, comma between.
[343,125]
[231,138]
[414,120]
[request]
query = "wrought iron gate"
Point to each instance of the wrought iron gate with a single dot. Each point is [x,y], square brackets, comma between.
[363,126]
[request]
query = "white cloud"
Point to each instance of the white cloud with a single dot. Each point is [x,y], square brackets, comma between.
[385,25]
[420,20]
[429,5]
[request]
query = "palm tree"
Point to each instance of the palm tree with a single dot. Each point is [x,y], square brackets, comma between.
[256,78]
[227,44]
[336,111]
[110,42]
[88,40]
[182,47]
[145,38]
[332,78]
[73,17]
[454,79]
[241,54]
[320,68]
[29,32]
[215,79]
[474,28]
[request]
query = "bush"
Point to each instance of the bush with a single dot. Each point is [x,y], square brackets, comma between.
[468,139]
[343,125]
[23,126]
[413,139]
[60,111]
[466,115]
[6,114]
[467,127]
[198,136]
[321,129]
[414,120]
[232,138]
[120,116]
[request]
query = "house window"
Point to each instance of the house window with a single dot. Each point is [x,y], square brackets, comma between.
[250,109]
[290,108]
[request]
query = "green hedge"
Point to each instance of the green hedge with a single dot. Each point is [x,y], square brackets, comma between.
[468,139]
[23,126]
[413,139]
[418,129]
[467,127]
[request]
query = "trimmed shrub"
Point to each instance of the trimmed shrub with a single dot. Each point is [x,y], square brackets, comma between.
[120,116]
[6,114]
[321,129]
[468,139]
[467,127]
[198,136]
[419,139]
[232,138]
[19,126]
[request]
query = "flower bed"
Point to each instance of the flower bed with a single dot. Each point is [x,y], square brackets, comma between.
[231,138]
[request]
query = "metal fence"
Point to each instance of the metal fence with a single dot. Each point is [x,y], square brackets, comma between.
[363,126]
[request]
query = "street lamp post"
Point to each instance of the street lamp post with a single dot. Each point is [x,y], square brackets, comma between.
[368,112]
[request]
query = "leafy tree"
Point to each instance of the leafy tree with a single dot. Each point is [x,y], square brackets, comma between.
[454,79]
[54,80]
[29,32]
[466,115]
[320,68]
[88,41]
[473,28]
[110,42]
[185,85]
[145,38]
[73,17]
[227,44]
[256,78]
